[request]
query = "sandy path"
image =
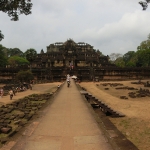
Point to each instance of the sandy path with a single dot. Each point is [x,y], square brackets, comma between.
[37,88]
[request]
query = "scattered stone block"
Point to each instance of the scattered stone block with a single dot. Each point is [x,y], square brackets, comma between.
[4,140]
[5,130]
[123,97]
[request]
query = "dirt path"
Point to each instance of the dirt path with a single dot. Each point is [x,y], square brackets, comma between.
[37,88]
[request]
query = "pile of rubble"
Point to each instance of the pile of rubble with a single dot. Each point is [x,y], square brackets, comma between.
[147,84]
[15,115]
[140,93]
[112,84]
[126,88]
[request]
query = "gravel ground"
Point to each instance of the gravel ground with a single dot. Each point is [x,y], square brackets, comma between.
[136,125]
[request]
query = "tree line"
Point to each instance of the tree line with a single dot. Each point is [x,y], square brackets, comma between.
[14,57]
[138,58]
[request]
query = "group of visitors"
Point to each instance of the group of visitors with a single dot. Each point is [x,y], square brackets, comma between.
[20,89]
[11,93]
[13,90]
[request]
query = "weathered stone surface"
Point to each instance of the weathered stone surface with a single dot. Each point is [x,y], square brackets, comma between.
[6,130]
[7,121]
[4,139]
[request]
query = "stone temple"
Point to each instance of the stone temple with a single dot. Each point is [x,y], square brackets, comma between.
[79,59]
[72,58]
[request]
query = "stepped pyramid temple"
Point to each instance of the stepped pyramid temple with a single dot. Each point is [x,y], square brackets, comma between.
[82,60]
[72,58]
[79,59]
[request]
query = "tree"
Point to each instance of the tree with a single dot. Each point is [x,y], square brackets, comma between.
[145,44]
[25,76]
[144,4]
[148,36]
[15,52]
[130,64]
[16,7]
[143,57]
[3,58]
[114,56]
[1,35]
[128,56]
[14,61]
[120,62]
[143,53]
[30,55]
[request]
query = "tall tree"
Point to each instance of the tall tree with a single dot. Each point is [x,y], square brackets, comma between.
[114,56]
[30,55]
[120,62]
[143,57]
[128,56]
[14,61]
[1,35]
[14,8]
[3,58]
[148,36]
[25,76]
[143,53]
[15,52]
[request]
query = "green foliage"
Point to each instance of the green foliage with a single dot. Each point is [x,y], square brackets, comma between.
[143,57]
[143,53]
[24,76]
[119,62]
[17,61]
[127,56]
[1,35]
[15,7]
[140,58]
[15,52]
[148,37]
[130,64]
[3,59]
[114,56]
[30,54]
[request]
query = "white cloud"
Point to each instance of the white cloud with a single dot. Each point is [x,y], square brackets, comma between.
[127,33]
[110,25]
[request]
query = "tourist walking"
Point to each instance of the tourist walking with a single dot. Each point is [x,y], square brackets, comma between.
[68,80]
[1,92]
[14,91]
[11,94]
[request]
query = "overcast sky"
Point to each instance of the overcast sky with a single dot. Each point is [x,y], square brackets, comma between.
[112,26]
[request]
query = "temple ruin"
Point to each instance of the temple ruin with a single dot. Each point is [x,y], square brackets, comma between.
[79,59]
